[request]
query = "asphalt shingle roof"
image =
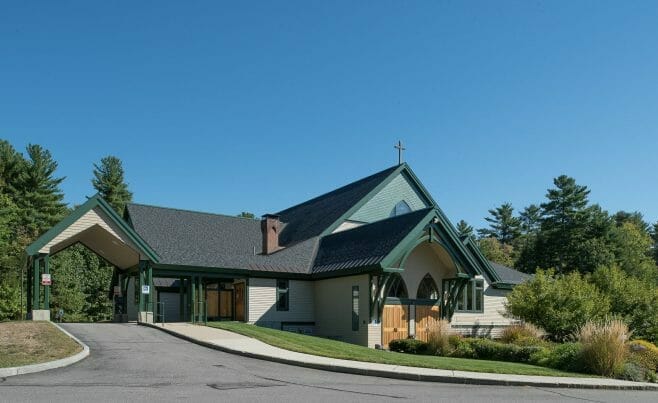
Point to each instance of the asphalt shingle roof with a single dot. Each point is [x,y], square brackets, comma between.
[189,238]
[509,275]
[311,218]
[365,245]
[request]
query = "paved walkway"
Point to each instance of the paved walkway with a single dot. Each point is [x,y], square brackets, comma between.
[247,346]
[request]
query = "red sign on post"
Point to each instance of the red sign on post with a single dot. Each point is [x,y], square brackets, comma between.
[45,279]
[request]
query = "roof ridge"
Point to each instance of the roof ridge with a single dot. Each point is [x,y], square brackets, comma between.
[192,211]
[391,168]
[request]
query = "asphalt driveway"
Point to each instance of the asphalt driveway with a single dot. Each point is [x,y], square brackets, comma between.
[136,363]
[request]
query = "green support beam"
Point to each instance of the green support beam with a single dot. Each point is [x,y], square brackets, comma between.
[46,288]
[36,303]
[202,302]
[194,304]
[151,305]
[142,281]
[181,300]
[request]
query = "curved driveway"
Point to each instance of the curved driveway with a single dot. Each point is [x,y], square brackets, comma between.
[136,363]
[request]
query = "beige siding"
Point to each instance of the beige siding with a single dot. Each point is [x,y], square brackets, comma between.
[374,335]
[333,308]
[488,322]
[93,217]
[427,258]
[262,302]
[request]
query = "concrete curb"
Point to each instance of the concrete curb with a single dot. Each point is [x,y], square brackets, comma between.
[44,366]
[466,378]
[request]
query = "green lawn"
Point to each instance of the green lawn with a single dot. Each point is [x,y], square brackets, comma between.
[23,343]
[337,349]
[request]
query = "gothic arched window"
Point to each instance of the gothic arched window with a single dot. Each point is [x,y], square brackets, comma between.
[427,288]
[397,289]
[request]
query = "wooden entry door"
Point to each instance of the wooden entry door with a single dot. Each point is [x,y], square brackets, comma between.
[426,317]
[226,304]
[395,323]
[212,303]
[239,296]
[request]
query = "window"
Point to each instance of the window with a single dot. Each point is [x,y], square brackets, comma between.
[397,288]
[355,307]
[401,208]
[471,298]
[282,295]
[427,288]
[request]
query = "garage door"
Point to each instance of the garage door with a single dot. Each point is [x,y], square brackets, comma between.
[171,310]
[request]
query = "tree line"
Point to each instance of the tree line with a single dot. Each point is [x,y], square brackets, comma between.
[31,202]
[587,264]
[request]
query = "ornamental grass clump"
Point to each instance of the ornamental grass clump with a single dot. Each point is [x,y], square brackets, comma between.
[604,348]
[522,334]
[438,338]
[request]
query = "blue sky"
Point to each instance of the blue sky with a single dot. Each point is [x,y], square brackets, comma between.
[225,107]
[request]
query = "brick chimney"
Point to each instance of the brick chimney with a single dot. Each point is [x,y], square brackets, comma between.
[269,226]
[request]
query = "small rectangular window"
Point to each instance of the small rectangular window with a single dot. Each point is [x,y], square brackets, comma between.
[471,298]
[479,295]
[282,295]
[355,307]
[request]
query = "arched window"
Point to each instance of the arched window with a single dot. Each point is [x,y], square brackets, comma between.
[397,289]
[401,208]
[427,288]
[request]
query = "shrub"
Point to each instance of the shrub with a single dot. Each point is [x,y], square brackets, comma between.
[559,304]
[604,346]
[632,298]
[566,356]
[438,337]
[485,349]
[409,346]
[521,334]
[644,353]
[463,349]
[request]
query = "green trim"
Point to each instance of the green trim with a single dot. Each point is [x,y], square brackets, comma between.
[428,238]
[401,169]
[94,201]
[393,269]
[474,281]
[404,245]
[475,249]
[36,283]
[411,301]
[503,286]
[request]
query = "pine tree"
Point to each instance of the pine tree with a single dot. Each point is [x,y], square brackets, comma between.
[654,236]
[635,218]
[11,165]
[110,183]
[573,236]
[39,196]
[463,229]
[503,225]
[530,219]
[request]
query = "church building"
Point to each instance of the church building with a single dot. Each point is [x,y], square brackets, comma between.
[367,263]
